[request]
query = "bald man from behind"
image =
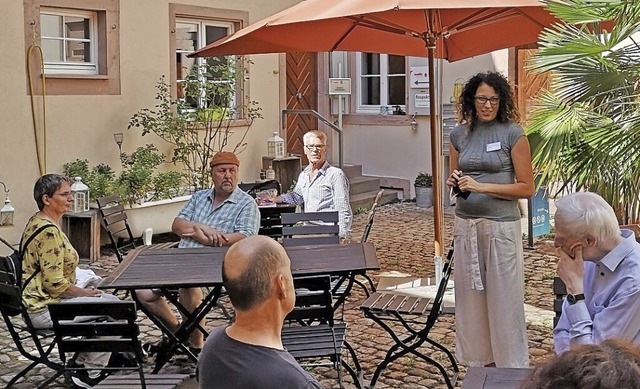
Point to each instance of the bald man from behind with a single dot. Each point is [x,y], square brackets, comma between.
[256,272]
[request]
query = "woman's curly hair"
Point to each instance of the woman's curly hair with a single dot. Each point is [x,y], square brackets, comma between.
[614,364]
[506,110]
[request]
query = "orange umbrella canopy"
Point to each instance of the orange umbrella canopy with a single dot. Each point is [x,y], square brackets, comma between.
[460,28]
[448,29]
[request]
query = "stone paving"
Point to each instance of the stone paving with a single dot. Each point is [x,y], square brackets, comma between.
[402,234]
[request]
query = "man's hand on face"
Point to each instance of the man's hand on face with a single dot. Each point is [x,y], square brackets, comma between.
[571,269]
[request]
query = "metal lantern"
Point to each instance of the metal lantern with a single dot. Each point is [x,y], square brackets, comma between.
[275,146]
[80,195]
[7,211]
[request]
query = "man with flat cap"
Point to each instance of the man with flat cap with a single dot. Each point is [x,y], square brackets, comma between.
[249,353]
[219,216]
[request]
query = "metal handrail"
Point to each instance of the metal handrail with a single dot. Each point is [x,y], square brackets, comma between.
[321,118]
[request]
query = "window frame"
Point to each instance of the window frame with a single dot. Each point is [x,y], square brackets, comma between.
[184,13]
[64,67]
[384,76]
[107,79]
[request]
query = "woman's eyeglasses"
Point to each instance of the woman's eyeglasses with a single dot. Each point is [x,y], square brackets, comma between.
[65,194]
[483,100]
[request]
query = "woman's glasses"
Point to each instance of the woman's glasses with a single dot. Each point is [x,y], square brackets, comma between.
[483,100]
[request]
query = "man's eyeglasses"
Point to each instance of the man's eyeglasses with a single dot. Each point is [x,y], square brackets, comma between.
[314,147]
[483,100]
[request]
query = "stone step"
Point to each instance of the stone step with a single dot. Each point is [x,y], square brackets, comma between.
[362,184]
[365,200]
[352,171]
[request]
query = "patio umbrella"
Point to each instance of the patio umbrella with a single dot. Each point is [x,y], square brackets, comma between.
[447,29]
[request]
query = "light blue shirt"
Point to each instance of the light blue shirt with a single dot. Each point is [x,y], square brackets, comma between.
[328,191]
[238,213]
[611,308]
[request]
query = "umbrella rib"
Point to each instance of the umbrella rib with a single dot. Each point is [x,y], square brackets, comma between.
[480,18]
[380,24]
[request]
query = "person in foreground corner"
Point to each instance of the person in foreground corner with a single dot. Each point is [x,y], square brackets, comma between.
[49,266]
[491,169]
[613,364]
[600,266]
[218,217]
[249,354]
[320,186]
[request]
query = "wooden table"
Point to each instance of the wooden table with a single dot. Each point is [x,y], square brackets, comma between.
[494,378]
[167,269]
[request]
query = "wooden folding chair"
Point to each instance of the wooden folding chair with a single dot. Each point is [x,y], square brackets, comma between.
[417,315]
[117,332]
[310,228]
[33,344]
[114,220]
[314,334]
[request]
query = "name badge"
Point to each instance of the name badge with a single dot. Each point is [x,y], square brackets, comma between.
[493,146]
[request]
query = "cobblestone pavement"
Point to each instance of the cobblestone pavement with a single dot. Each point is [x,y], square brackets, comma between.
[403,236]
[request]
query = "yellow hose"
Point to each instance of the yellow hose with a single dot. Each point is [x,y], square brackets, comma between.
[42,156]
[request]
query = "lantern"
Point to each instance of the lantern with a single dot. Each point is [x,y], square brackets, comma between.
[80,195]
[275,146]
[7,211]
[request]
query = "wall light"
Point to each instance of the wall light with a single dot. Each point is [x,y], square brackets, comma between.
[118,137]
[7,211]
[458,86]
[414,123]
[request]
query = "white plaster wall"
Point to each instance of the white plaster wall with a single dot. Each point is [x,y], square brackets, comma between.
[83,126]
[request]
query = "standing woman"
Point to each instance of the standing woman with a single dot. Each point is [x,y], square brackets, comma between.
[490,159]
[50,261]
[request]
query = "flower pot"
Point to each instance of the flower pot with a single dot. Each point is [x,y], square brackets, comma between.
[158,215]
[424,196]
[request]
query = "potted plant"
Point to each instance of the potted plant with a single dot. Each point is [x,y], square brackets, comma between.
[424,191]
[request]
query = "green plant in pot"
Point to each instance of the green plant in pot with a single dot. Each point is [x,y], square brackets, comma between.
[424,191]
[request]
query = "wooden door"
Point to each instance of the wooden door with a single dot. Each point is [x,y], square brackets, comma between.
[529,84]
[302,93]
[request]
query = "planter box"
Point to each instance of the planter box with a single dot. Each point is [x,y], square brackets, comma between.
[157,215]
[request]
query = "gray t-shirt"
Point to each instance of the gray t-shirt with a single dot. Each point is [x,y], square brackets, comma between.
[226,363]
[485,155]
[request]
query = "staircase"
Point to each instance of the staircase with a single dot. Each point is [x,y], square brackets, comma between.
[363,189]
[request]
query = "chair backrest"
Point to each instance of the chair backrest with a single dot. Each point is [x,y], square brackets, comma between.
[308,228]
[271,220]
[254,187]
[313,300]
[447,267]
[372,214]
[560,292]
[107,326]
[114,220]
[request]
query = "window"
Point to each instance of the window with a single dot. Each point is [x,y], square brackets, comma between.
[69,42]
[212,79]
[382,81]
[80,42]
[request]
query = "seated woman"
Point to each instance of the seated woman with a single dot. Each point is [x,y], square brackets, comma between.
[50,261]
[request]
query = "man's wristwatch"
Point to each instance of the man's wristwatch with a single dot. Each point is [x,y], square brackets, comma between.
[574,298]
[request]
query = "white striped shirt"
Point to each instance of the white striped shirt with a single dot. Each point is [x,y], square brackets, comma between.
[328,191]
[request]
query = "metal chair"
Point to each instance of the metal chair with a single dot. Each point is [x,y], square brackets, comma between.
[417,315]
[33,344]
[314,334]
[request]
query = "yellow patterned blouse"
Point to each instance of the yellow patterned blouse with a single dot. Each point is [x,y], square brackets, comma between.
[57,259]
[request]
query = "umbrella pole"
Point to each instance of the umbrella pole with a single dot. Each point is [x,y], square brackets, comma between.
[436,160]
